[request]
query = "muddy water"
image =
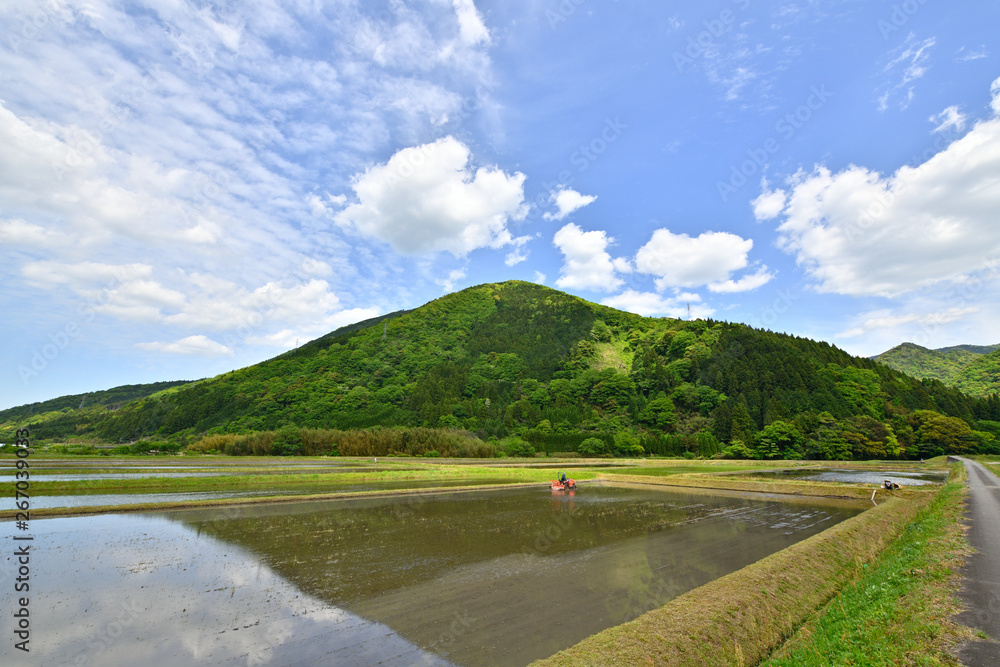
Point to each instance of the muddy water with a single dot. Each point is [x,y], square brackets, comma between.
[110,499]
[873,477]
[474,578]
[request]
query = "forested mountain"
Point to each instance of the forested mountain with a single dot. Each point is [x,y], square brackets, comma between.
[69,414]
[516,360]
[950,365]
[981,377]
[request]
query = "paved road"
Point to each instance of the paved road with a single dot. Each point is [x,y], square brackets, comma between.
[981,592]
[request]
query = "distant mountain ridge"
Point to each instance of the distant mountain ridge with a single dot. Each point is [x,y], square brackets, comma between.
[975,369]
[519,363]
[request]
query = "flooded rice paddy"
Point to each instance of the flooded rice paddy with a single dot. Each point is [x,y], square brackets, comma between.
[472,578]
[870,477]
[111,499]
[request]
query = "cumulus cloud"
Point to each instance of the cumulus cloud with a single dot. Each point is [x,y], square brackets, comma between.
[711,258]
[567,201]
[586,261]
[199,345]
[768,204]
[862,233]
[681,305]
[429,198]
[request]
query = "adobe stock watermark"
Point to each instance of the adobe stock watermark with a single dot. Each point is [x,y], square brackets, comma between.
[460,625]
[899,16]
[701,43]
[780,305]
[31,25]
[562,11]
[82,145]
[262,653]
[785,128]
[107,636]
[545,538]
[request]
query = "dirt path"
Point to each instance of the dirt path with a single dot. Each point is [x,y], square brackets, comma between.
[981,592]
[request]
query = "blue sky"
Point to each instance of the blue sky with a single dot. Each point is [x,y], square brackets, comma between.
[187,188]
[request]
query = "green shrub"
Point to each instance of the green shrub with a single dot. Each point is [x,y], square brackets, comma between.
[514,446]
[737,450]
[593,447]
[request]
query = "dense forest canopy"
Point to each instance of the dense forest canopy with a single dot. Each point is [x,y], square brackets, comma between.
[535,369]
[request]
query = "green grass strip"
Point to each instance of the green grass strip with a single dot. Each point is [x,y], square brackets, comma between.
[898,611]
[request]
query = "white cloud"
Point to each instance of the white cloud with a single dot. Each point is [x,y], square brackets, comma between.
[966,56]
[912,57]
[134,293]
[20,233]
[949,120]
[678,260]
[180,140]
[567,201]
[622,265]
[744,284]
[586,262]
[473,30]
[539,278]
[223,305]
[448,284]
[315,267]
[291,338]
[652,304]
[84,275]
[769,204]
[519,253]
[884,319]
[860,233]
[428,198]
[995,92]
[192,345]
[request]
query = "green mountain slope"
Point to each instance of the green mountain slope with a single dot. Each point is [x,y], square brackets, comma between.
[981,377]
[67,415]
[975,349]
[950,365]
[524,360]
[921,362]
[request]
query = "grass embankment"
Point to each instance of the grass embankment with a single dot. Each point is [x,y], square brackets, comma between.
[776,486]
[265,480]
[898,611]
[272,500]
[741,618]
[303,486]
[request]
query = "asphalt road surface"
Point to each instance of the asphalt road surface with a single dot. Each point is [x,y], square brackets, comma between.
[981,592]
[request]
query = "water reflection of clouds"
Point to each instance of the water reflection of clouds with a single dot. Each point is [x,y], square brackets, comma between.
[133,590]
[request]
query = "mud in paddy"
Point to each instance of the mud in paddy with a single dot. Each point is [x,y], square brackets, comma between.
[472,578]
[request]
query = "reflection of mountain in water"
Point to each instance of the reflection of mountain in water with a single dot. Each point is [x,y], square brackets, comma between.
[509,576]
